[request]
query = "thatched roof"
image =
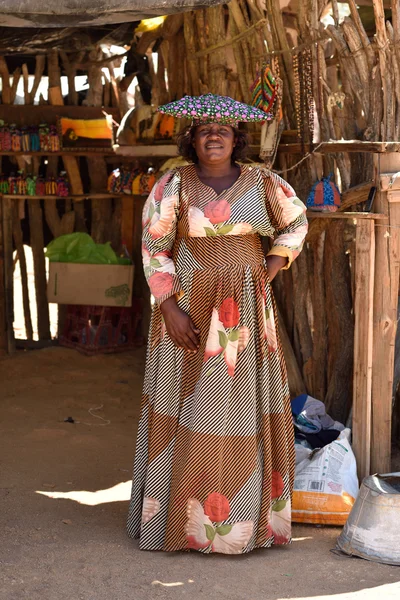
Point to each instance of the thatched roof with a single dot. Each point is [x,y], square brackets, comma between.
[49,13]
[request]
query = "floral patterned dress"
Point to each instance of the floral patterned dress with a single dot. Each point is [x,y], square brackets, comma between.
[214,461]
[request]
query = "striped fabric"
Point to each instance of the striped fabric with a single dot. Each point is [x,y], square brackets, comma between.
[214,461]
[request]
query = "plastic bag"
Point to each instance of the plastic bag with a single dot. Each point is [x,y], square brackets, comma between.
[326,484]
[80,248]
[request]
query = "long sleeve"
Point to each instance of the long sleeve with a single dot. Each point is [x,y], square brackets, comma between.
[287,215]
[160,217]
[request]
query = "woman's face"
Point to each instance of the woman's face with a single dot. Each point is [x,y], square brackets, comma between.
[214,143]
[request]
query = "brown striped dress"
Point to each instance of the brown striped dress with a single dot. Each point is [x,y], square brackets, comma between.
[214,461]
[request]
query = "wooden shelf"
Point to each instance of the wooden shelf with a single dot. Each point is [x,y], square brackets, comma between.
[311,214]
[60,153]
[76,197]
[334,146]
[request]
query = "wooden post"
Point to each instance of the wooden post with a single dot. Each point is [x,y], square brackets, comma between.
[386,290]
[363,344]
[8,270]
[3,312]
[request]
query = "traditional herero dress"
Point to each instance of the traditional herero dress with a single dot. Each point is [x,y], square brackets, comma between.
[214,462]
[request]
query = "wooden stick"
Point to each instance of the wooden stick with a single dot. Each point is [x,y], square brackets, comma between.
[8,272]
[37,244]
[25,76]
[40,64]
[363,345]
[3,309]
[386,288]
[19,244]
[5,76]
[190,41]
[16,78]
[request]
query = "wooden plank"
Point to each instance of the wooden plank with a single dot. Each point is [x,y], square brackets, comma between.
[104,153]
[19,244]
[363,345]
[78,197]
[3,311]
[337,146]
[23,115]
[356,216]
[8,273]
[37,244]
[386,290]
[128,222]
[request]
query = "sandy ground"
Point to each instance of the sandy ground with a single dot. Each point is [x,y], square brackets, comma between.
[64,489]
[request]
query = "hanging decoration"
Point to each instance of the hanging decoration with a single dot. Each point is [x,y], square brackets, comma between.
[304,98]
[324,195]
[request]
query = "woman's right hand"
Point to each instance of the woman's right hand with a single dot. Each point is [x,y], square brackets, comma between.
[179,326]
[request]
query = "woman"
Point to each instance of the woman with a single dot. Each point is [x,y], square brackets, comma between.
[214,462]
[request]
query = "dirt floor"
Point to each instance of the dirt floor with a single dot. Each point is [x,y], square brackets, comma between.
[64,489]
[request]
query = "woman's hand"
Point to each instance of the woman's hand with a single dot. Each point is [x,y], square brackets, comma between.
[179,326]
[275,264]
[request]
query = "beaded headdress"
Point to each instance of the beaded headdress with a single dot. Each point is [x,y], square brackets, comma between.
[211,108]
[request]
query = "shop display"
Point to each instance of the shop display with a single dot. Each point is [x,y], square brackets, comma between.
[131,181]
[42,138]
[22,185]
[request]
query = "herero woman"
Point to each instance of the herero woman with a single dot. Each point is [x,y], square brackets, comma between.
[214,460]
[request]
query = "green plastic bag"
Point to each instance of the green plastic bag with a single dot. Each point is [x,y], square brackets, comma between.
[80,248]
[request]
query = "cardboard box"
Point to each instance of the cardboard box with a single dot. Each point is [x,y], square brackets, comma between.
[96,285]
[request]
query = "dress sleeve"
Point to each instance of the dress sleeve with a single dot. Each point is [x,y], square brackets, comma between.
[160,217]
[287,215]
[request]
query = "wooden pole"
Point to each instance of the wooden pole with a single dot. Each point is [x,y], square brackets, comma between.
[19,244]
[386,289]
[363,344]
[3,310]
[8,267]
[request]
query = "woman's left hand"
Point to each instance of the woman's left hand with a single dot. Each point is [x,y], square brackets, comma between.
[275,264]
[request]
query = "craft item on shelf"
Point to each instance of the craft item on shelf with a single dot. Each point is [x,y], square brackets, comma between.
[15,139]
[126,181]
[54,139]
[34,139]
[4,185]
[5,139]
[25,140]
[324,196]
[40,187]
[44,136]
[31,186]
[51,187]
[166,127]
[147,182]
[136,185]
[12,182]
[114,182]
[62,185]
[21,184]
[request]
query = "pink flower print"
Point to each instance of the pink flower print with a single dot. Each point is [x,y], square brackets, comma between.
[240,229]
[193,112]
[229,313]
[199,225]
[217,507]
[291,208]
[184,112]
[160,284]
[230,356]
[218,115]
[160,186]
[279,526]
[218,211]
[201,533]
[213,345]
[277,485]
[151,506]
[269,328]
[244,336]
[162,222]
